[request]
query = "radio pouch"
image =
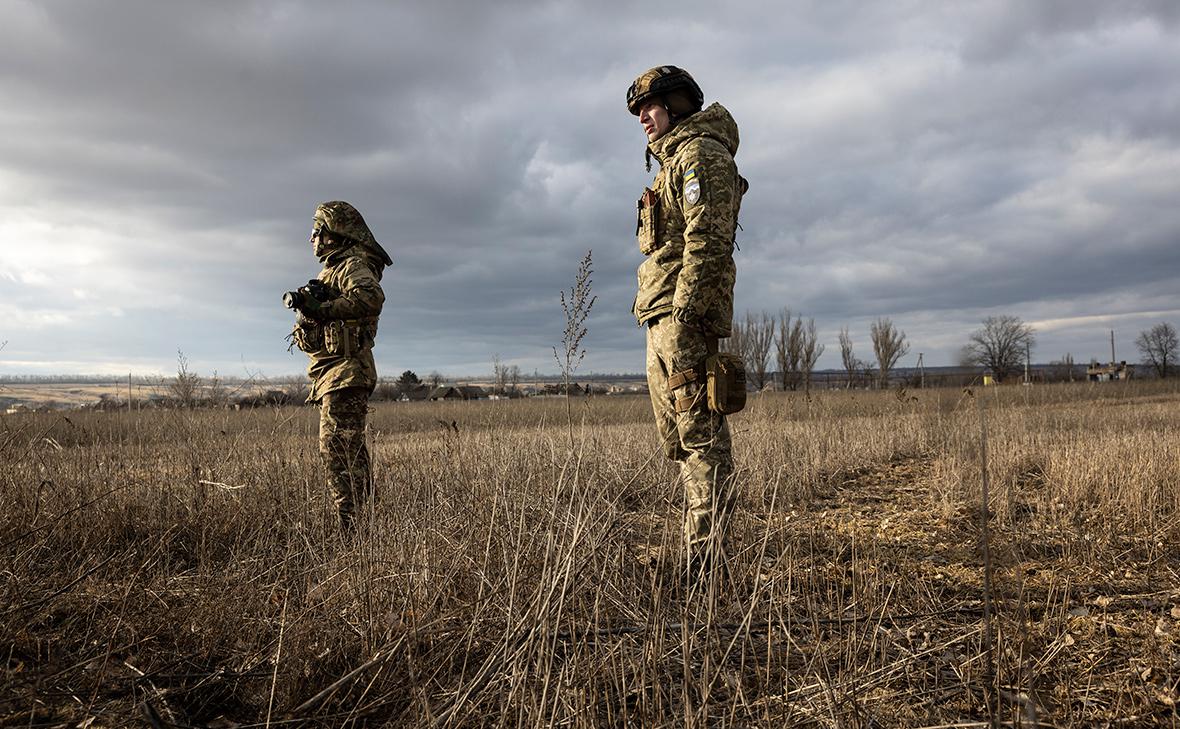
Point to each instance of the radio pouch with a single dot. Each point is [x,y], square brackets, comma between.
[647,222]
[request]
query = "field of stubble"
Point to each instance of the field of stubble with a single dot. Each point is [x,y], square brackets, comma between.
[180,568]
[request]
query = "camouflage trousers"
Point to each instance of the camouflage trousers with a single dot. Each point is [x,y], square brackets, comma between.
[696,437]
[343,449]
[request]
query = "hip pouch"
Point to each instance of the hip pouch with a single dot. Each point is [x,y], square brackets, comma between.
[647,221]
[726,377]
[308,338]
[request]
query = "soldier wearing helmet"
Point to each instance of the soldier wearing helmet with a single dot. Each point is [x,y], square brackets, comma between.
[686,229]
[336,326]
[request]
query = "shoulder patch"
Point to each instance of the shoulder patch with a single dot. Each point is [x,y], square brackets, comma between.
[692,186]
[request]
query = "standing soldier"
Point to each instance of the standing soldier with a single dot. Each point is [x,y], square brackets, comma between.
[336,324]
[686,228]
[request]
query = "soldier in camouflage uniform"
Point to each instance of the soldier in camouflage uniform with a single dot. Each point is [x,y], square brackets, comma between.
[686,228]
[337,332]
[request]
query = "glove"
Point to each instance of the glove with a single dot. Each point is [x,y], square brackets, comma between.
[308,300]
[309,306]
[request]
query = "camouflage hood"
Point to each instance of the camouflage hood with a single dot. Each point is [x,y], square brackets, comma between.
[346,221]
[714,121]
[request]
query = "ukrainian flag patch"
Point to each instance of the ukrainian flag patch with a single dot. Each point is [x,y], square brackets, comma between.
[692,186]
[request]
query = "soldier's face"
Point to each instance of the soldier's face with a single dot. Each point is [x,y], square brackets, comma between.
[319,240]
[654,118]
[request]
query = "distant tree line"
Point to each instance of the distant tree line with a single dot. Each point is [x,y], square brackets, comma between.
[794,343]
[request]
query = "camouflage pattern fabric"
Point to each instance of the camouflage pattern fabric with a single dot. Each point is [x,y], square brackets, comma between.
[344,220]
[343,449]
[687,224]
[698,438]
[664,82]
[356,274]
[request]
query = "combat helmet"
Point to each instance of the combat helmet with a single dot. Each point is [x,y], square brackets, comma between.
[345,221]
[681,93]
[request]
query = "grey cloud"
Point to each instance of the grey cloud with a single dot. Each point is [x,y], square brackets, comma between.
[925,161]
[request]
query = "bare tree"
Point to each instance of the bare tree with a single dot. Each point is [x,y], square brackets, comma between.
[514,376]
[499,375]
[789,349]
[759,333]
[852,365]
[435,379]
[736,342]
[811,350]
[1158,346]
[889,345]
[1001,344]
[1062,370]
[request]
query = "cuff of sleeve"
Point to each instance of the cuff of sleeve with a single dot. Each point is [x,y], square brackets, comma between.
[694,307]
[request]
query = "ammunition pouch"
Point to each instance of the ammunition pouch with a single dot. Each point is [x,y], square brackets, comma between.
[647,221]
[349,337]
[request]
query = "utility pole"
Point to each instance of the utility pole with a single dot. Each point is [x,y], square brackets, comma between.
[1027,357]
[921,372]
[1112,359]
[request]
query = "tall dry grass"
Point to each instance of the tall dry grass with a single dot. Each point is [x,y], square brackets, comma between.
[181,567]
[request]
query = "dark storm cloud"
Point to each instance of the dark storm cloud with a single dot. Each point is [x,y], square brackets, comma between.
[926,161]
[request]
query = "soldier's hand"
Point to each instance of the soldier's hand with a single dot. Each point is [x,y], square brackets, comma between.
[684,316]
[310,307]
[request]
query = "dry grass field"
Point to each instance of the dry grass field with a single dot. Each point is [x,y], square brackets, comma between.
[179,568]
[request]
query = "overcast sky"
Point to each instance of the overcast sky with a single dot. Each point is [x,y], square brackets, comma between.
[932,162]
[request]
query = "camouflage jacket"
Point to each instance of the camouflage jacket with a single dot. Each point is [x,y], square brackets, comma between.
[687,222]
[339,342]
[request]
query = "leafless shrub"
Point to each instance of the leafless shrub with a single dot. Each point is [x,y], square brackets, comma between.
[185,387]
[576,309]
